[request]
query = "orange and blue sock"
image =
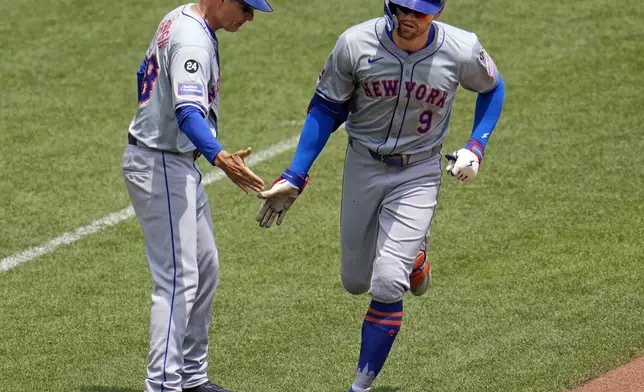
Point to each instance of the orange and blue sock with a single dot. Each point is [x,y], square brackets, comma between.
[379,330]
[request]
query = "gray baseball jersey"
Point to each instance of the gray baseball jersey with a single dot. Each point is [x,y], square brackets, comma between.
[181,68]
[400,102]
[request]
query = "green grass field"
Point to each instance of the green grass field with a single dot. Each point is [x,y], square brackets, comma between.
[538,264]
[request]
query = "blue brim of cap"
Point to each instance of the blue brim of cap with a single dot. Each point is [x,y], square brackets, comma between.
[427,7]
[259,5]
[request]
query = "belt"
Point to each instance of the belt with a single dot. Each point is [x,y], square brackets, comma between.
[397,160]
[194,154]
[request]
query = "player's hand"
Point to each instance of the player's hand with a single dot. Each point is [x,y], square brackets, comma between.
[463,164]
[235,168]
[279,198]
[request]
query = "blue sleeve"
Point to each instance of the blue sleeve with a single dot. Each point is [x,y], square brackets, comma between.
[192,123]
[318,126]
[487,113]
[339,111]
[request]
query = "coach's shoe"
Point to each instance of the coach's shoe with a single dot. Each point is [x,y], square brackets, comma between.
[208,387]
[421,275]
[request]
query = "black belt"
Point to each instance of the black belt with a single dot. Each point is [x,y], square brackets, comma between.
[133,141]
[397,160]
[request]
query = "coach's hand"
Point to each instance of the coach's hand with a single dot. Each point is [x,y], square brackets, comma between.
[280,197]
[235,168]
[463,164]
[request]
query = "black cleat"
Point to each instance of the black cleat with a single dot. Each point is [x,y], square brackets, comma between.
[208,387]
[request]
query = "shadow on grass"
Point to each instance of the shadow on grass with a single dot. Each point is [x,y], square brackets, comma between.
[387,389]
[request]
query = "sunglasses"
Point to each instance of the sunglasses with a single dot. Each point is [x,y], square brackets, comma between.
[245,7]
[407,11]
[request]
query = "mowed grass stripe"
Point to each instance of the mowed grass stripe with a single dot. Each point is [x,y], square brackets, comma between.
[127,213]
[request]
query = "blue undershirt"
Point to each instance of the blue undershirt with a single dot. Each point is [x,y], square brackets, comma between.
[487,112]
[192,123]
[317,129]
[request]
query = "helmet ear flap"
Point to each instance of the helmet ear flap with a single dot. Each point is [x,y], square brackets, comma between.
[390,16]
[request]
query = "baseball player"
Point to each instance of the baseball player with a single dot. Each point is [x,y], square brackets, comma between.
[393,81]
[176,121]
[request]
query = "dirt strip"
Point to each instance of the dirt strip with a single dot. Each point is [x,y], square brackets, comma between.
[626,378]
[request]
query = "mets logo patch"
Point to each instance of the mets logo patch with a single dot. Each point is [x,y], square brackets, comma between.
[190,89]
[488,63]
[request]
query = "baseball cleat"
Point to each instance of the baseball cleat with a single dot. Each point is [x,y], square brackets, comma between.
[421,275]
[208,387]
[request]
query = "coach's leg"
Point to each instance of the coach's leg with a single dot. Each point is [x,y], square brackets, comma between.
[404,220]
[163,194]
[195,346]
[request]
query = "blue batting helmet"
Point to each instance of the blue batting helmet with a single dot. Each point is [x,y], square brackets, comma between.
[428,7]
[259,5]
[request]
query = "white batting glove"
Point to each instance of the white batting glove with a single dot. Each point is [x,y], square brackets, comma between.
[463,164]
[279,198]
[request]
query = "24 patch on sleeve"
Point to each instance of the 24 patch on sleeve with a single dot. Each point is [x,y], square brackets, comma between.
[191,89]
[191,66]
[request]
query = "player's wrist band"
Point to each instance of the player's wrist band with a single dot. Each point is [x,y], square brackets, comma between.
[476,147]
[297,179]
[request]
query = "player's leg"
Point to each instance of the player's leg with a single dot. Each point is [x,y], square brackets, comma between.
[421,275]
[195,345]
[163,193]
[420,278]
[362,192]
[404,220]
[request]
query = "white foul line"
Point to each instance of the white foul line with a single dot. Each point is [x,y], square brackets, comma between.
[127,213]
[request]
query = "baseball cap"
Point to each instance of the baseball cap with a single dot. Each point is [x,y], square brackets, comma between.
[259,5]
[428,7]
